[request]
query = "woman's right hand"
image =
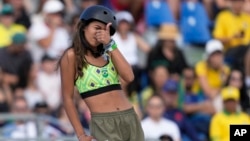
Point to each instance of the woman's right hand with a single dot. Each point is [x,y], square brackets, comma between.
[86,138]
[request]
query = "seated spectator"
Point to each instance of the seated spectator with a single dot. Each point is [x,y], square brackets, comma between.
[219,127]
[232,28]
[194,23]
[20,13]
[52,37]
[158,74]
[129,44]
[157,13]
[49,83]
[7,26]
[198,109]
[155,125]
[166,50]
[212,72]
[236,79]
[31,92]
[20,129]
[16,62]
[170,96]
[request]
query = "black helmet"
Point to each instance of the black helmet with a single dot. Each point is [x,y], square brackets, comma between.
[102,14]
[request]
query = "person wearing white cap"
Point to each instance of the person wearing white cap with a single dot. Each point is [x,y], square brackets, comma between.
[212,72]
[127,40]
[49,34]
[128,43]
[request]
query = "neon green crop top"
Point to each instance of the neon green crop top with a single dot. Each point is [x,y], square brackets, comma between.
[97,80]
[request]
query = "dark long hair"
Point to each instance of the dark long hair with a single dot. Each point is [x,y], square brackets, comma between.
[244,99]
[81,46]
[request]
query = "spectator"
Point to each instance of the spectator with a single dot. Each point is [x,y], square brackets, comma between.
[52,37]
[20,13]
[20,129]
[128,43]
[31,92]
[7,26]
[232,26]
[170,96]
[158,74]
[155,125]
[198,108]
[49,83]
[219,127]
[166,50]
[233,30]
[41,108]
[127,40]
[212,72]
[16,61]
[236,79]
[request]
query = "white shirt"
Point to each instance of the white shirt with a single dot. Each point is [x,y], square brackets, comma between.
[127,47]
[153,129]
[50,86]
[60,41]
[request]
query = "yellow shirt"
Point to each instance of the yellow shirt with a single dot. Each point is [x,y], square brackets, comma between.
[146,94]
[214,77]
[228,25]
[220,123]
[7,33]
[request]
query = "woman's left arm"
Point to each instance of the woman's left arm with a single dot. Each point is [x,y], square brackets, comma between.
[122,66]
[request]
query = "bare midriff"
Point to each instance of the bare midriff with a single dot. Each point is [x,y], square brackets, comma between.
[108,102]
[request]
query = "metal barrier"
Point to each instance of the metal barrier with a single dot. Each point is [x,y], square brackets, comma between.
[39,121]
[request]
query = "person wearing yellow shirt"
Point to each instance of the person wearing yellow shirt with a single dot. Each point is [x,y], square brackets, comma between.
[232,26]
[212,72]
[7,26]
[219,126]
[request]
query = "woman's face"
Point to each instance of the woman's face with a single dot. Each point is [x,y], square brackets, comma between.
[168,49]
[159,76]
[90,32]
[124,27]
[236,79]
[216,60]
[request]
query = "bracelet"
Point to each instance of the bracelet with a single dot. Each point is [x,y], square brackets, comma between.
[79,137]
[110,46]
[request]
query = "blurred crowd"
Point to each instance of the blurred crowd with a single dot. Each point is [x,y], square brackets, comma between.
[191,61]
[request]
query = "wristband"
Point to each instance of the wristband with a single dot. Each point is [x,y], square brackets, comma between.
[110,46]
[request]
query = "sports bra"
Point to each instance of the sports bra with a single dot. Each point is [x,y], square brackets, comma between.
[97,80]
